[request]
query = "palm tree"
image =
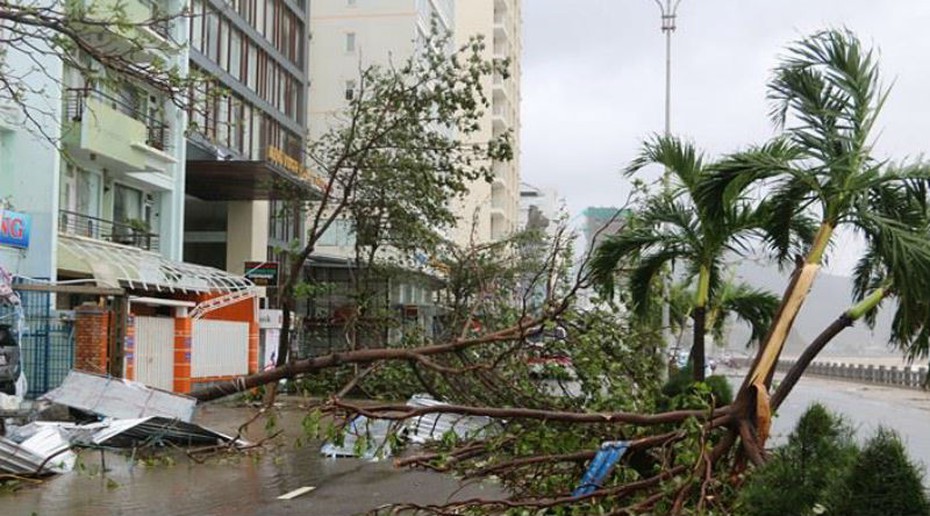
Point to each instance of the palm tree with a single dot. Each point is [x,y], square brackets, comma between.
[677,228]
[826,98]
[734,300]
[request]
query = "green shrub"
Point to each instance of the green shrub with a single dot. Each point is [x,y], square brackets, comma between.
[681,383]
[797,478]
[882,481]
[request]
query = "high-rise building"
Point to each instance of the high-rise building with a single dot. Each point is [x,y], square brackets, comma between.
[490,211]
[247,133]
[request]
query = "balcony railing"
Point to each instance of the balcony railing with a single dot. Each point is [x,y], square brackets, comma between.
[158,134]
[73,223]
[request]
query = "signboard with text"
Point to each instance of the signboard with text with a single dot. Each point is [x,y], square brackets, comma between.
[263,274]
[14,229]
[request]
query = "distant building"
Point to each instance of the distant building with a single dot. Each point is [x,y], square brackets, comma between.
[540,208]
[601,222]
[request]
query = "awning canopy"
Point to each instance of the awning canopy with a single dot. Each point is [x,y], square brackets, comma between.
[115,265]
[214,180]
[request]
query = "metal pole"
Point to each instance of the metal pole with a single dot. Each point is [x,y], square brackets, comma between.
[669,11]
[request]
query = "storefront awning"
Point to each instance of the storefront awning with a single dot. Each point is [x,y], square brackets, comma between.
[214,180]
[115,265]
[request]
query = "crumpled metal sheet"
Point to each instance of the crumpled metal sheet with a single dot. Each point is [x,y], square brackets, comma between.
[36,446]
[431,427]
[363,437]
[119,398]
[147,431]
[419,430]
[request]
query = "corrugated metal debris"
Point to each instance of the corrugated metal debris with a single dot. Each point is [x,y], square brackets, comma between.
[36,449]
[362,437]
[367,438]
[431,427]
[119,398]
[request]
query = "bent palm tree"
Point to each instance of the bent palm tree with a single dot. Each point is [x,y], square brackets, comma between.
[826,97]
[677,228]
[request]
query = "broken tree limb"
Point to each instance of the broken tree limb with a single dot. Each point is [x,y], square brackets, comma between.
[361,356]
[399,412]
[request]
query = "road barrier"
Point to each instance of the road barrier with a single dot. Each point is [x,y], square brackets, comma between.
[904,376]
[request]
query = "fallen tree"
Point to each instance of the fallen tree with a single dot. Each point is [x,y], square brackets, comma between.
[689,459]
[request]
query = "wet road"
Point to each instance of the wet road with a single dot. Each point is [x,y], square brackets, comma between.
[237,486]
[247,486]
[867,407]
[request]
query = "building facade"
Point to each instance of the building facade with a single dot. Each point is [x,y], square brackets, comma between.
[96,226]
[541,208]
[247,132]
[490,212]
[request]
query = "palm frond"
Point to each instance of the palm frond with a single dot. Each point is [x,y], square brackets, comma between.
[680,158]
[754,306]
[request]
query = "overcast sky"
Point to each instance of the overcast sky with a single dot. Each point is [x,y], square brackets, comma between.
[594,76]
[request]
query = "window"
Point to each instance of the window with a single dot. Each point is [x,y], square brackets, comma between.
[350,89]
[235,54]
[127,204]
[350,42]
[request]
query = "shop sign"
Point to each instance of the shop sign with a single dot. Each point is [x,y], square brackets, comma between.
[263,274]
[14,229]
[270,319]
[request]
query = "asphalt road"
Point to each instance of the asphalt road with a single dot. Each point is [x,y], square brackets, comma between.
[867,407]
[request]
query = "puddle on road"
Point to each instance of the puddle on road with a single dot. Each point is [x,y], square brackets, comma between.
[241,485]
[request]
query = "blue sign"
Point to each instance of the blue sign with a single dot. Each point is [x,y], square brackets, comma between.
[14,229]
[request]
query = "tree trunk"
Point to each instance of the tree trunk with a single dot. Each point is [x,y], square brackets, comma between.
[810,353]
[697,351]
[755,387]
[699,315]
[845,320]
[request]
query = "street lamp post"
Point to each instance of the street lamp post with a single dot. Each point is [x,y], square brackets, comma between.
[669,10]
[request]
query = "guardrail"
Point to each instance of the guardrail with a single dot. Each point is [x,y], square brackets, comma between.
[907,377]
[73,223]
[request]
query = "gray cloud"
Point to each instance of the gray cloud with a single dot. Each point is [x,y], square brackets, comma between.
[593,80]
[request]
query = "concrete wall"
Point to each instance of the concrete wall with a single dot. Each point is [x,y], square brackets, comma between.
[908,377]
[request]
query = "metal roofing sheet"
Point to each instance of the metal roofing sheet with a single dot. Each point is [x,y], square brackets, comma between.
[120,398]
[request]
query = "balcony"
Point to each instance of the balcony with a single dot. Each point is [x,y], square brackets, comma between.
[116,133]
[79,100]
[122,25]
[133,234]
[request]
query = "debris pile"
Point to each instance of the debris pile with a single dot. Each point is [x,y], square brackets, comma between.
[129,415]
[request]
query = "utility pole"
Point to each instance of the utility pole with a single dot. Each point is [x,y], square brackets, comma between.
[669,11]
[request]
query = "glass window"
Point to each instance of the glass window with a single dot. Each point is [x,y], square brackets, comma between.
[211,35]
[350,42]
[197,25]
[224,45]
[350,89]
[235,54]
[252,75]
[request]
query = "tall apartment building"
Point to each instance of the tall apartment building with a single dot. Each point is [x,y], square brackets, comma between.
[491,212]
[348,35]
[247,130]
